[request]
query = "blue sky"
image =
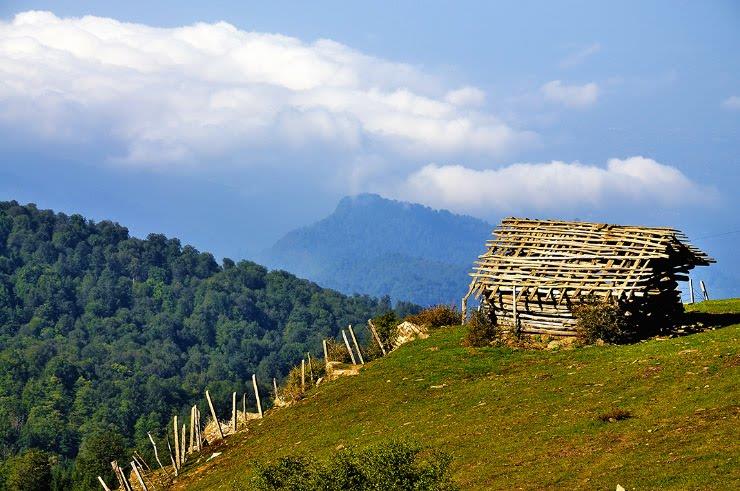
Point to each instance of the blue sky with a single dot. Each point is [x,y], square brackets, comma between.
[229,123]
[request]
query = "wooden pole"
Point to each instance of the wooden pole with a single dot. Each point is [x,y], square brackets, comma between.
[198,438]
[102,483]
[326,352]
[244,406]
[142,463]
[349,349]
[303,375]
[691,289]
[371,327]
[257,394]
[172,458]
[156,454]
[513,309]
[182,446]
[310,367]
[121,476]
[357,346]
[704,293]
[176,431]
[138,476]
[233,411]
[213,414]
[274,386]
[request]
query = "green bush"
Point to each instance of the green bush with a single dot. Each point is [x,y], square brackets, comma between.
[29,471]
[482,330]
[602,320]
[337,351]
[437,316]
[391,466]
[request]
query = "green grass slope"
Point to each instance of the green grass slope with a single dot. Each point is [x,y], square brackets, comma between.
[522,419]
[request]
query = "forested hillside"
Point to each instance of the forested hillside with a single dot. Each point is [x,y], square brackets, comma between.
[378,246]
[103,333]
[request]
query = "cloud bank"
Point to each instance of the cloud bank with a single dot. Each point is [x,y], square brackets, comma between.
[549,186]
[193,93]
[576,96]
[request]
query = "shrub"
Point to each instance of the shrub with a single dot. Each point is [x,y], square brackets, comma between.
[604,320]
[337,351]
[482,329]
[615,415]
[437,316]
[292,389]
[392,465]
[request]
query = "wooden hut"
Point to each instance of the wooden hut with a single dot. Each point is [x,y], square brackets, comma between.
[534,271]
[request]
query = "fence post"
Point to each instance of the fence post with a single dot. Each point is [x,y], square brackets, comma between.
[156,454]
[704,292]
[138,476]
[357,346]
[244,407]
[691,289]
[310,367]
[172,458]
[213,414]
[326,352]
[233,411]
[257,394]
[371,328]
[176,431]
[349,349]
[303,375]
[182,446]
[274,386]
[192,430]
[102,483]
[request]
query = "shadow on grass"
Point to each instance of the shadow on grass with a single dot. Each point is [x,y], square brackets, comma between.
[695,322]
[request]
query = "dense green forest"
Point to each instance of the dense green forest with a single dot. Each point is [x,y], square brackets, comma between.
[378,246]
[104,336]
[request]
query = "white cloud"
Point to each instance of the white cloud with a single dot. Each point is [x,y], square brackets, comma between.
[549,186]
[577,96]
[732,102]
[466,96]
[202,91]
[580,56]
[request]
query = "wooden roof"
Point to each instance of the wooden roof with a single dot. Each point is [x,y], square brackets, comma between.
[584,257]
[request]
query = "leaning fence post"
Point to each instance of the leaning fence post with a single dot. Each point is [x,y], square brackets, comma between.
[310,367]
[156,454]
[357,346]
[257,394]
[691,289]
[172,458]
[213,414]
[349,349]
[274,386]
[198,434]
[121,476]
[138,476]
[176,431]
[704,290]
[102,483]
[326,352]
[371,328]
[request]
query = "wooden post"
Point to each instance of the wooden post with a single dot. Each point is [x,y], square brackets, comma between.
[176,431]
[326,352]
[142,463]
[172,458]
[213,414]
[182,446]
[102,483]
[691,289]
[233,411]
[704,293]
[310,367]
[257,394]
[198,436]
[274,386]
[121,476]
[192,430]
[138,476]
[244,407]
[371,327]
[349,349]
[357,346]
[303,375]
[513,306]
[156,454]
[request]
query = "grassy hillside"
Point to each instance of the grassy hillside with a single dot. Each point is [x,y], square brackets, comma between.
[526,419]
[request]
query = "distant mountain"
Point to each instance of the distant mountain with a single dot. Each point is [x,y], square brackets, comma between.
[379,246]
